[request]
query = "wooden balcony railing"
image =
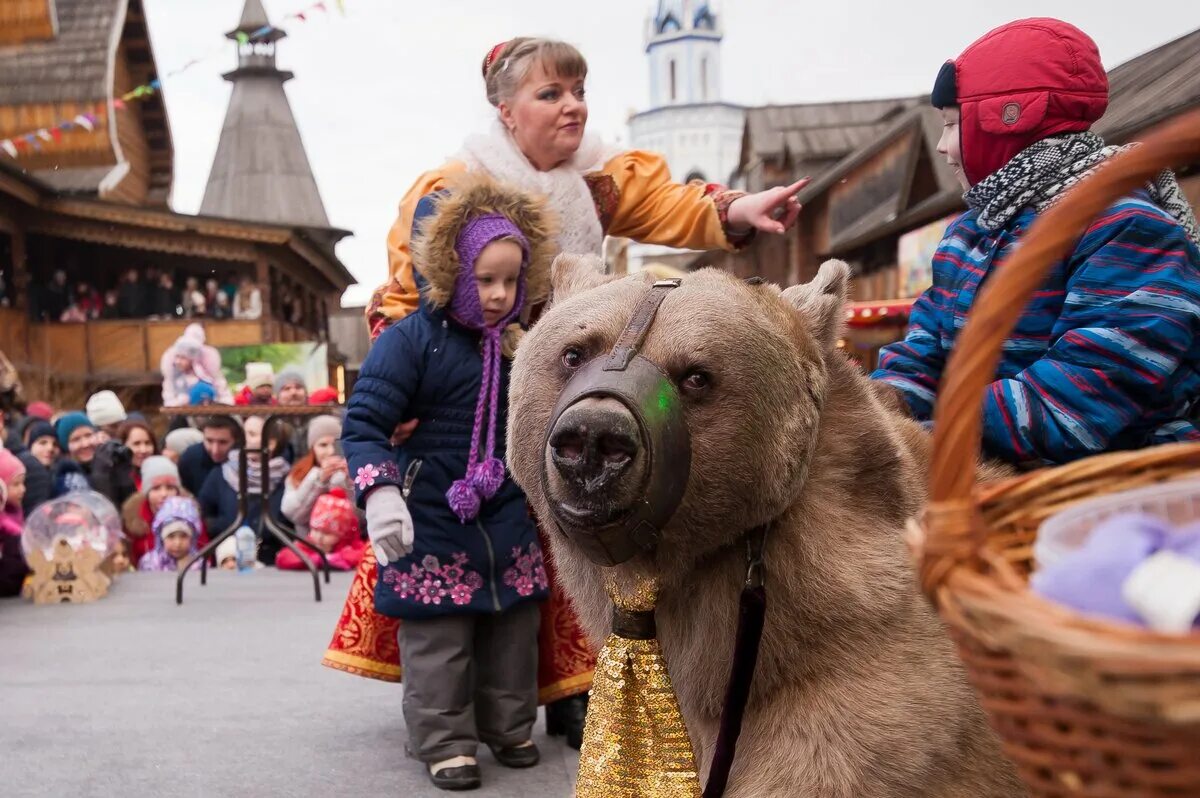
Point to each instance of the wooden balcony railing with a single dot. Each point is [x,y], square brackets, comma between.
[121,350]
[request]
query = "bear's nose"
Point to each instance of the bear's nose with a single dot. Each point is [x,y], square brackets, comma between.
[594,443]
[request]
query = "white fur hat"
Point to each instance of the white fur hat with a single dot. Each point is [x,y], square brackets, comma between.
[104,408]
[259,374]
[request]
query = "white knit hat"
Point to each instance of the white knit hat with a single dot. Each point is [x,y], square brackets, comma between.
[259,374]
[178,440]
[227,549]
[104,408]
[323,427]
[157,469]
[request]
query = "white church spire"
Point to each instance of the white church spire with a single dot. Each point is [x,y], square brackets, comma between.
[684,48]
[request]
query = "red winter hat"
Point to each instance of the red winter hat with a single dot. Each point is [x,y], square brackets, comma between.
[40,410]
[1020,83]
[334,514]
[323,396]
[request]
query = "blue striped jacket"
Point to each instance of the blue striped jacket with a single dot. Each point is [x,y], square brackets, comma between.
[1106,356]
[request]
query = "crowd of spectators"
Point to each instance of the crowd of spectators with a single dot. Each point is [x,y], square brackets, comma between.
[175,490]
[153,294]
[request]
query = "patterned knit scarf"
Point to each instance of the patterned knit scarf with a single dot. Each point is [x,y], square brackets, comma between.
[1039,175]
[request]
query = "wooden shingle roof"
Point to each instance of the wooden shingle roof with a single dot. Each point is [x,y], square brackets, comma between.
[261,170]
[817,131]
[99,50]
[1152,87]
[71,67]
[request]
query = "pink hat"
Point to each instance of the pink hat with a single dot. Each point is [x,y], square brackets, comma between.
[39,410]
[334,514]
[10,467]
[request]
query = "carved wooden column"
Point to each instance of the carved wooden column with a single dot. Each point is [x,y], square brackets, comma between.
[263,278]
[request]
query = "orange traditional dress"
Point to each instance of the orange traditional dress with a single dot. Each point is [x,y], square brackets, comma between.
[627,194]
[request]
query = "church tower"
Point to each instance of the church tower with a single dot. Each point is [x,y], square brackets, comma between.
[684,49]
[261,171]
[687,123]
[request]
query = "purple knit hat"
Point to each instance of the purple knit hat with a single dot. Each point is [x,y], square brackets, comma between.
[485,472]
[177,508]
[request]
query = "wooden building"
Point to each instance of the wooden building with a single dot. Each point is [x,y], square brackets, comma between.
[62,59]
[42,230]
[94,204]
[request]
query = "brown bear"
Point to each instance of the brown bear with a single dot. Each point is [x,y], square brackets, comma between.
[858,691]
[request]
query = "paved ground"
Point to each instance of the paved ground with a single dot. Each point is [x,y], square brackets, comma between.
[225,696]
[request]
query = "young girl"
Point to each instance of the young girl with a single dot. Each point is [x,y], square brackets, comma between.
[334,530]
[188,361]
[159,482]
[176,534]
[314,473]
[12,491]
[460,561]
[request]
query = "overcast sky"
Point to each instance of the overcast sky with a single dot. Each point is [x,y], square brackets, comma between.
[390,89]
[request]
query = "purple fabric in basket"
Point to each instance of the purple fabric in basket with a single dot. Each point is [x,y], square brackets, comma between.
[1186,542]
[1089,579]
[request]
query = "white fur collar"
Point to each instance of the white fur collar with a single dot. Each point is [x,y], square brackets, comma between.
[496,153]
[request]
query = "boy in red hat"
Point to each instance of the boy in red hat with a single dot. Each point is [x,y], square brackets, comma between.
[1107,354]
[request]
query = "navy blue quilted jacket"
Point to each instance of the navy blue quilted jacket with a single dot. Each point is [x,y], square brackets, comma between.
[427,367]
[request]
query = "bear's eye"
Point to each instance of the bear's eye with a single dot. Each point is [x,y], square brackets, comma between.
[695,382]
[572,358]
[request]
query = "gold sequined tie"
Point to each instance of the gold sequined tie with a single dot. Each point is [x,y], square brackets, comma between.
[635,744]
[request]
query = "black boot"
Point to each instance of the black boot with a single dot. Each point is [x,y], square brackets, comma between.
[464,777]
[524,756]
[566,717]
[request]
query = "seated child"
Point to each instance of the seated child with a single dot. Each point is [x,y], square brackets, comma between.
[333,528]
[176,530]
[13,569]
[160,481]
[118,561]
[227,554]
[1106,355]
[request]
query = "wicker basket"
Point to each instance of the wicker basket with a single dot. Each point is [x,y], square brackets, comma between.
[1083,707]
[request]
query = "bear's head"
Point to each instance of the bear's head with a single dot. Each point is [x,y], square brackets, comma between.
[748,363]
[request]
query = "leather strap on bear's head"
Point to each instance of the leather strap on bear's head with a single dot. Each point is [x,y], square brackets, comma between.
[654,402]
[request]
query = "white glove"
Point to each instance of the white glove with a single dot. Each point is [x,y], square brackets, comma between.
[389,525]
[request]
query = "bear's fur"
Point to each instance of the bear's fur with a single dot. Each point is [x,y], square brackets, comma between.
[858,692]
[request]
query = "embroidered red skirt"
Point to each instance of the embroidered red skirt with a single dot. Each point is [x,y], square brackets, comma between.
[364,642]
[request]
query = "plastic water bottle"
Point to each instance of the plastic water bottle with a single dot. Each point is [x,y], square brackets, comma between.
[247,548]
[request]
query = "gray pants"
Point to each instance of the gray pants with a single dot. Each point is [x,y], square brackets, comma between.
[469,678]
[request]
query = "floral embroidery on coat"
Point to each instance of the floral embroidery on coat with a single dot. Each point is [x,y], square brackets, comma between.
[365,477]
[605,194]
[723,197]
[528,572]
[430,582]
[369,474]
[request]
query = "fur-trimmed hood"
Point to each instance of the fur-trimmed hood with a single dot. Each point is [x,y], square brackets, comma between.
[440,216]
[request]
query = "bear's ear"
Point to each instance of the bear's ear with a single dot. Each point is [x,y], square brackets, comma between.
[822,302]
[574,274]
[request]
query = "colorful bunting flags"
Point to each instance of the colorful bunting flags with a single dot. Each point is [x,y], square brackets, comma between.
[88,121]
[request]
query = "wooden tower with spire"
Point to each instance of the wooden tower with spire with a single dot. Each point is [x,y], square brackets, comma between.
[261,171]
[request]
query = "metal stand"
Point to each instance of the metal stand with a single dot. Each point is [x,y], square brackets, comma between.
[287,537]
